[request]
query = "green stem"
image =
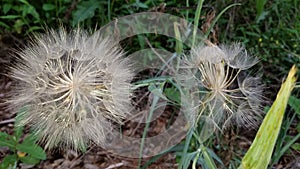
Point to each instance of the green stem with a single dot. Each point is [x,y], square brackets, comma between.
[209,161]
[218,17]
[196,20]
[152,108]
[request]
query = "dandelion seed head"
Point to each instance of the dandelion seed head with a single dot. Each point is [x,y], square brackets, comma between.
[73,85]
[226,91]
[237,56]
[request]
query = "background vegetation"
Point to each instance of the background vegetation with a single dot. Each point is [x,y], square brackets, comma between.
[269,29]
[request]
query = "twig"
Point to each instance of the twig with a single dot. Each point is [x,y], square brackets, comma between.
[71,8]
[115,165]
[7,121]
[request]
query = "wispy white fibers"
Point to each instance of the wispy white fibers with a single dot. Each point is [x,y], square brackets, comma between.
[221,87]
[73,85]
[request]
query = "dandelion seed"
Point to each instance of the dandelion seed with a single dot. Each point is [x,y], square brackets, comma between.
[74,85]
[225,91]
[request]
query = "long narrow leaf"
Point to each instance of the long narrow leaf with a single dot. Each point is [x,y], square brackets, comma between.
[152,109]
[260,152]
[196,20]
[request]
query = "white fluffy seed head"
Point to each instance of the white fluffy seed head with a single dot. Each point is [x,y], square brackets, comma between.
[73,86]
[223,89]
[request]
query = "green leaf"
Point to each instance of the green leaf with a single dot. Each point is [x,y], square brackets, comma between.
[4,25]
[179,45]
[29,160]
[18,132]
[196,20]
[30,139]
[25,2]
[173,94]
[6,8]
[7,141]
[298,128]
[294,102]
[85,10]
[32,29]
[33,150]
[31,10]
[157,91]
[3,135]
[289,144]
[148,120]
[208,158]
[296,146]
[140,5]
[260,7]
[10,17]
[215,156]
[185,160]
[185,157]
[262,16]
[18,127]
[253,34]
[48,7]
[9,162]
[260,152]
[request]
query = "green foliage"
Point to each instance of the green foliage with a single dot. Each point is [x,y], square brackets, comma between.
[273,36]
[173,94]
[86,10]
[19,14]
[27,16]
[196,152]
[294,102]
[260,13]
[26,151]
[285,141]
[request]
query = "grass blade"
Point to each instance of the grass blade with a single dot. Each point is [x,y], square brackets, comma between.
[196,20]
[218,17]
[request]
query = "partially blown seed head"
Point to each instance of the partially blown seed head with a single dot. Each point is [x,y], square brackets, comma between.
[73,86]
[222,87]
